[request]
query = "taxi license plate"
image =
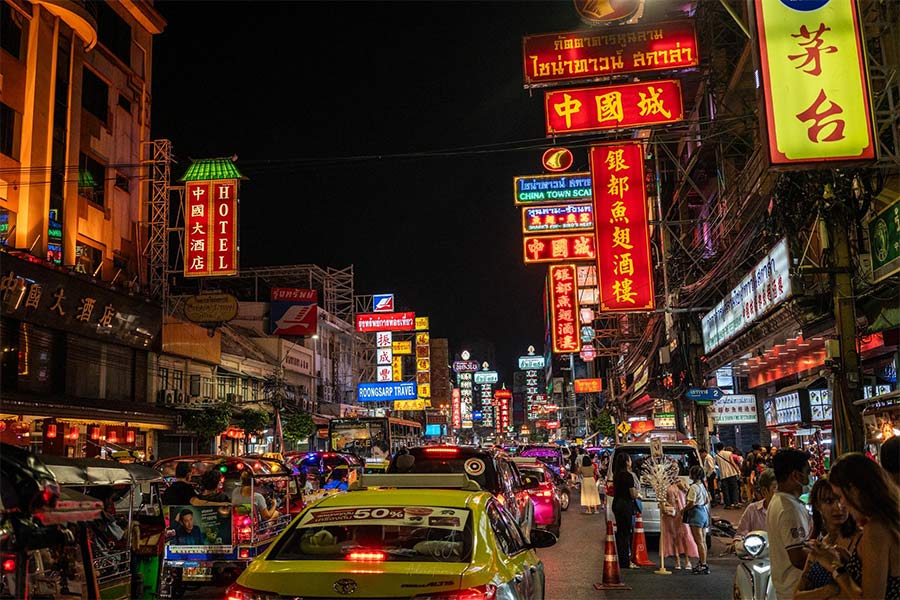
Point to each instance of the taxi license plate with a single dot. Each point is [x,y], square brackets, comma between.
[196,574]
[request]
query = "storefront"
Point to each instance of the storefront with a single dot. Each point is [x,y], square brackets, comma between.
[75,364]
[800,415]
[881,419]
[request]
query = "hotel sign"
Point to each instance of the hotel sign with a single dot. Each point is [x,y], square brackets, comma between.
[814,82]
[581,110]
[624,266]
[594,54]
[210,232]
[766,286]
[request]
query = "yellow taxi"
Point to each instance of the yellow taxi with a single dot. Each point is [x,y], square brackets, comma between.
[422,536]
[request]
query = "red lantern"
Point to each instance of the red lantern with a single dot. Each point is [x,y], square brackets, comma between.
[51,431]
[129,436]
[73,433]
[111,437]
[94,432]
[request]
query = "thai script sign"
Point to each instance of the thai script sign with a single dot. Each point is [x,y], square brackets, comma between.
[531,362]
[734,409]
[884,236]
[593,54]
[564,309]
[624,266]
[210,232]
[766,286]
[814,81]
[613,107]
[543,189]
[401,321]
[552,219]
[558,248]
[293,311]
[587,386]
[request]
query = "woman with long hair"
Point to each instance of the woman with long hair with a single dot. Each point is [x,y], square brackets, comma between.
[872,568]
[677,537]
[590,497]
[696,515]
[833,525]
[625,493]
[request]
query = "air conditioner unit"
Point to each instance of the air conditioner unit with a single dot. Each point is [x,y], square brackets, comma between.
[181,397]
[166,397]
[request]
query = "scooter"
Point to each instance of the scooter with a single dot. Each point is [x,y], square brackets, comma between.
[752,580]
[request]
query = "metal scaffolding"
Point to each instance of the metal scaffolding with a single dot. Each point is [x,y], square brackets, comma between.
[157,154]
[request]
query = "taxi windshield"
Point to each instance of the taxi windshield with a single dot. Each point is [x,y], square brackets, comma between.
[378,534]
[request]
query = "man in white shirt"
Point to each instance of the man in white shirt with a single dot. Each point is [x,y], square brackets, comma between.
[787,522]
[728,476]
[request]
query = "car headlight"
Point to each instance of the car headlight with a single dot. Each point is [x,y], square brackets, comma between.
[754,545]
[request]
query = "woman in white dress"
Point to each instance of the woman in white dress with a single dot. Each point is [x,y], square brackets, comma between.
[590,497]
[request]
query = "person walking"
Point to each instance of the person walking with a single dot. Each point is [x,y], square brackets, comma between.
[624,495]
[590,497]
[787,522]
[677,536]
[872,568]
[728,476]
[574,464]
[696,515]
[833,526]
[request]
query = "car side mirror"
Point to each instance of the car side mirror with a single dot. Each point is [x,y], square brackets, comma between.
[529,482]
[541,538]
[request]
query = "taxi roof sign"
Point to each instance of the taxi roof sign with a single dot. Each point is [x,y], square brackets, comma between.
[456,481]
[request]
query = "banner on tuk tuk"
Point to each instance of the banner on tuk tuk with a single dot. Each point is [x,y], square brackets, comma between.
[199,530]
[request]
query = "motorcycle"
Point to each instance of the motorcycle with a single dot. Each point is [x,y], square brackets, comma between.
[752,579]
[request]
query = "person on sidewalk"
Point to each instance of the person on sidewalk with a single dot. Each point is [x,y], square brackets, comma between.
[729,476]
[754,517]
[590,497]
[709,468]
[696,515]
[624,496]
[787,522]
[676,534]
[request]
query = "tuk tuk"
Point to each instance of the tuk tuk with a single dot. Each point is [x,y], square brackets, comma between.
[44,540]
[212,543]
[125,538]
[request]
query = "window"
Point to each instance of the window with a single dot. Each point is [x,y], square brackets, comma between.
[124,103]
[177,380]
[221,388]
[95,95]
[122,182]
[195,385]
[9,124]
[87,258]
[508,536]
[113,32]
[11,25]
[164,378]
[91,179]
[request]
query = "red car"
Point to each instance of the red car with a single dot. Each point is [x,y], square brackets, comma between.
[547,496]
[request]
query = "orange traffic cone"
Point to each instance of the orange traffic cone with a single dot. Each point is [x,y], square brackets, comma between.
[612,577]
[639,544]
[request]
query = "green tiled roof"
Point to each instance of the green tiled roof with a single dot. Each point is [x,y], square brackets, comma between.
[207,169]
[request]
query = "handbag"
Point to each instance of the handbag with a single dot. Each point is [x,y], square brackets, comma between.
[686,516]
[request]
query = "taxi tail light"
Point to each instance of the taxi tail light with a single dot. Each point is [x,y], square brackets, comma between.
[369,556]
[9,563]
[545,491]
[482,592]
[239,592]
[442,451]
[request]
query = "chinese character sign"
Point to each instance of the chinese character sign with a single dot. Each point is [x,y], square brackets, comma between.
[817,105]
[624,267]
[502,399]
[595,53]
[455,420]
[564,309]
[466,388]
[558,248]
[613,107]
[210,236]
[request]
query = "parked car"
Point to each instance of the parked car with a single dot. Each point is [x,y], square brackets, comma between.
[684,454]
[317,466]
[401,536]
[550,454]
[548,496]
[494,472]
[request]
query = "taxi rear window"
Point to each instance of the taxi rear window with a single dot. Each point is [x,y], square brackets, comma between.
[478,467]
[379,533]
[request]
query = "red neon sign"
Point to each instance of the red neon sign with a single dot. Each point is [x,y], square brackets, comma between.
[371,322]
[558,248]
[455,418]
[613,107]
[592,54]
[587,386]
[624,267]
[210,236]
[564,309]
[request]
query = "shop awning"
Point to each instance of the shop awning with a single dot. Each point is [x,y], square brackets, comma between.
[886,399]
[802,385]
[136,414]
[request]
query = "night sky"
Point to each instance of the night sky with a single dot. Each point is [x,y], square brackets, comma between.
[383,135]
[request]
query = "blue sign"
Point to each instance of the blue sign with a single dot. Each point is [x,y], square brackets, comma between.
[433,429]
[476,415]
[587,333]
[701,395]
[383,303]
[386,390]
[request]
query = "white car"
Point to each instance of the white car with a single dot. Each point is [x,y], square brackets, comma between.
[684,454]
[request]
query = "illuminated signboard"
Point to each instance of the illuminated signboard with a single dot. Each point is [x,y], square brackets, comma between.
[487,405]
[421,323]
[465,366]
[397,369]
[531,394]
[502,398]
[552,219]
[409,405]
[383,303]
[814,81]
[600,12]
[371,322]
[587,386]
[423,364]
[455,419]
[386,390]
[531,362]
[612,107]
[557,160]
[564,309]
[54,237]
[210,232]
[594,54]
[558,248]
[734,409]
[465,399]
[624,268]
[401,347]
[486,377]
[543,189]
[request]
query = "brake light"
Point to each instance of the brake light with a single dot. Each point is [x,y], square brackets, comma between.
[442,450]
[244,553]
[239,592]
[482,592]
[542,493]
[366,556]
[9,563]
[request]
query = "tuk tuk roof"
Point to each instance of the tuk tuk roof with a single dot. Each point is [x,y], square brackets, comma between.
[96,471]
[259,466]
